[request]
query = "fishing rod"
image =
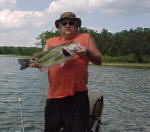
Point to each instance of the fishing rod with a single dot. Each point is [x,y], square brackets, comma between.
[20,102]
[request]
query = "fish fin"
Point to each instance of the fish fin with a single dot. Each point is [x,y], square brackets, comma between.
[24,63]
[43,69]
[38,55]
[62,65]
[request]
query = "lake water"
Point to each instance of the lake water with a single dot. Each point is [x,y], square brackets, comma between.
[126,93]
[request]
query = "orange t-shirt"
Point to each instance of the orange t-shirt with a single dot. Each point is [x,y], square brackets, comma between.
[73,76]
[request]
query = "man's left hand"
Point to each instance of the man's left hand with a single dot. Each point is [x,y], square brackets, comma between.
[81,51]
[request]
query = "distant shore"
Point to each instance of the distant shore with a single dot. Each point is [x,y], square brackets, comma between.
[103,64]
[20,56]
[126,64]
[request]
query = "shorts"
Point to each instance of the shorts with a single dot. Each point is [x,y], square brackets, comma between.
[70,113]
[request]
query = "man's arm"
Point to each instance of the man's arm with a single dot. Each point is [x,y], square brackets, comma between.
[91,52]
[45,48]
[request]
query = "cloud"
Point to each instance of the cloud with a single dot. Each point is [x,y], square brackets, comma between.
[7,4]
[15,22]
[16,19]
[17,38]
[115,7]
[126,7]
[71,5]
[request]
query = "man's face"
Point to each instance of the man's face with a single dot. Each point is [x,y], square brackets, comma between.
[68,27]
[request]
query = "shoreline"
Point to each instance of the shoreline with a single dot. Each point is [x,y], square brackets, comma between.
[16,56]
[126,64]
[121,64]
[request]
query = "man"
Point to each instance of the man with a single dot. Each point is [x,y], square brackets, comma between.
[67,104]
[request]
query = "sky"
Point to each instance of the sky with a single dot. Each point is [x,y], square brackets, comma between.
[22,21]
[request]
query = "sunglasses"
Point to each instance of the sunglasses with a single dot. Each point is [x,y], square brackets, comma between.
[71,23]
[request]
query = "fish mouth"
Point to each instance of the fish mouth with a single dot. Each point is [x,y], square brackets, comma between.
[67,52]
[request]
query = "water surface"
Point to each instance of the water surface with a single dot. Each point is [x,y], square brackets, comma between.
[126,93]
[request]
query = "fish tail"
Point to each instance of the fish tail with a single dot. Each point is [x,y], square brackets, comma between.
[24,63]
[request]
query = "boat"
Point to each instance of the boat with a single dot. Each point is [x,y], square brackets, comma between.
[96,109]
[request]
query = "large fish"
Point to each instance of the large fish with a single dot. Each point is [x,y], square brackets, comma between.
[56,55]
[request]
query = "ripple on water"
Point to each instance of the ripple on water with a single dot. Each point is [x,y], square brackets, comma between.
[126,97]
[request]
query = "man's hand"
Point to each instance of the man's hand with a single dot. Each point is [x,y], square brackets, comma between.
[35,64]
[81,51]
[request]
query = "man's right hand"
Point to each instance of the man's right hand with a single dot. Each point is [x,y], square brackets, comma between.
[35,64]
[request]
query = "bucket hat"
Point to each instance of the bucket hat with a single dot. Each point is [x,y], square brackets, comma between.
[68,15]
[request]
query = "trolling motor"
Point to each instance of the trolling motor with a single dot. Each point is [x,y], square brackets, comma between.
[22,120]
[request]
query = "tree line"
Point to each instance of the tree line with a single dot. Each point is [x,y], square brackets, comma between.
[23,51]
[124,46]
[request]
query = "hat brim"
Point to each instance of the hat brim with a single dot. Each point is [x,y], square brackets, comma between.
[78,20]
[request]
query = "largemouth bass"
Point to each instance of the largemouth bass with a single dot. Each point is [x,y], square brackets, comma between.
[56,55]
